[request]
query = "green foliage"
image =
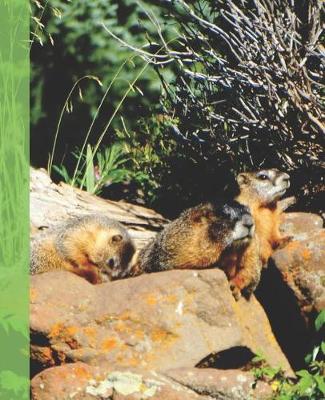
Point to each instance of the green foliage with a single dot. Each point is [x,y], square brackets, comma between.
[310,382]
[263,371]
[69,42]
[140,159]
[320,320]
[96,172]
[151,157]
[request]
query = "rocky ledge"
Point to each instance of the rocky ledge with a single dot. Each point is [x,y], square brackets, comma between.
[170,335]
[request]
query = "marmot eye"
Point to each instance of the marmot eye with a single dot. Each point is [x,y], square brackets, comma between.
[263,177]
[116,238]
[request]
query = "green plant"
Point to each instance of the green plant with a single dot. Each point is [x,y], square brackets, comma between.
[151,156]
[70,42]
[310,382]
[96,172]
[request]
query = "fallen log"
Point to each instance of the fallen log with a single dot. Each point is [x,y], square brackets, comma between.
[51,204]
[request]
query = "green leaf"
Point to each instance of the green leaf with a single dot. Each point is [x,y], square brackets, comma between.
[63,172]
[308,359]
[90,177]
[284,397]
[322,346]
[305,385]
[303,373]
[320,320]
[320,380]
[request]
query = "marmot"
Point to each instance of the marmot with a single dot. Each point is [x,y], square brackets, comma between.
[243,267]
[205,236]
[92,246]
[260,191]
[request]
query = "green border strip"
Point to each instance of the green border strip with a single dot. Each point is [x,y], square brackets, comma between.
[14,203]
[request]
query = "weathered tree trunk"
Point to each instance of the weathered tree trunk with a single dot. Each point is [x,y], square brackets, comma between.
[51,204]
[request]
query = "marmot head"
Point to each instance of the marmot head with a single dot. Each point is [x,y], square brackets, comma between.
[230,223]
[99,242]
[267,185]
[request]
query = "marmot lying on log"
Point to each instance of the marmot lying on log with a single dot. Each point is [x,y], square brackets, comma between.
[92,246]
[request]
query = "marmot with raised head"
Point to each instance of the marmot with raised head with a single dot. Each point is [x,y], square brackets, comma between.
[205,236]
[92,246]
[260,191]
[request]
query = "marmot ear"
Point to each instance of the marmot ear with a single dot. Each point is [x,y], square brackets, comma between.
[200,215]
[242,179]
[117,238]
[196,216]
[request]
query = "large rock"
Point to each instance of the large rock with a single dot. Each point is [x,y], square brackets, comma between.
[301,225]
[292,287]
[302,262]
[156,321]
[221,384]
[302,265]
[80,381]
[83,382]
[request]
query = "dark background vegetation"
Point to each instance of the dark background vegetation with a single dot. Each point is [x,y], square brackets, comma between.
[229,93]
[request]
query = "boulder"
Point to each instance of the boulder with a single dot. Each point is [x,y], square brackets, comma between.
[221,384]
[302,266]
[302,262]
[155,321]
[301,225]
[292,289]
[80,381]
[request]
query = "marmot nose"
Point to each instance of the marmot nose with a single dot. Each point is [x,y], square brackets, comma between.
[285,178]
[248,221]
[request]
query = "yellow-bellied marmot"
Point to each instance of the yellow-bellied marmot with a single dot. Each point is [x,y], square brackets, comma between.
[260,191]
[92,246]
[205,236]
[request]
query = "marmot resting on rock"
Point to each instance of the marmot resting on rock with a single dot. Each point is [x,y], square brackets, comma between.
[260,191]
[204,236]
[92,246]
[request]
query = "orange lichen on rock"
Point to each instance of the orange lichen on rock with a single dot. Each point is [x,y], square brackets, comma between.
[82,373]
[44,355]
[109,344]
[90,332]
[131,362]
[71,330]
[139,334]
[59,330]
[151,299]
[119,326]
[306,254]
[65,333]
[56,330]
[162,336]
[292,246]
[171,298]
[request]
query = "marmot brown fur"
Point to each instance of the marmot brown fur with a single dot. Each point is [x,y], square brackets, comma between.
[92,246]
[204,236]
[260,191]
